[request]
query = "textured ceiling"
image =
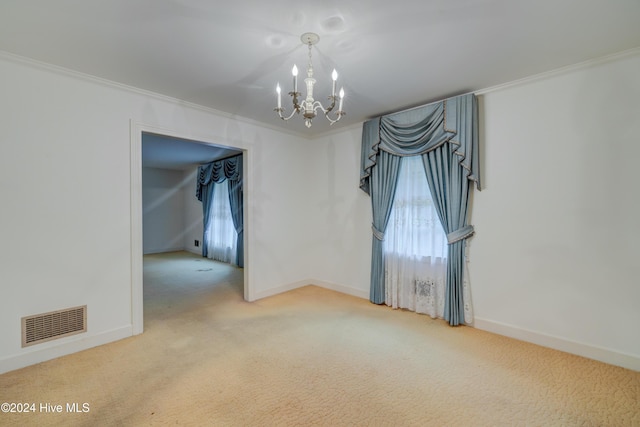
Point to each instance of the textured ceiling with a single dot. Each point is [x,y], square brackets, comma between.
[390,55]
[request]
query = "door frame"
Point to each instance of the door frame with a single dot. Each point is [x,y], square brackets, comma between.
[136,131]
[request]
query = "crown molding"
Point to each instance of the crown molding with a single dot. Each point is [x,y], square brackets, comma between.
[11,57]
[132,89]
[560,71]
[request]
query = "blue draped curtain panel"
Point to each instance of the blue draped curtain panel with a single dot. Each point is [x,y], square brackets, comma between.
[445,135]
[216,172]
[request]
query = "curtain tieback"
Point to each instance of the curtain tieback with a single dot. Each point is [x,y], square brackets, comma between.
[239,229]
[377,233]
[459,234]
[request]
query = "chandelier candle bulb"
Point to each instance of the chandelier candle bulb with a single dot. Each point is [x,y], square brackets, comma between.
[294,71]
[279,96]
[334,76]
[341,98]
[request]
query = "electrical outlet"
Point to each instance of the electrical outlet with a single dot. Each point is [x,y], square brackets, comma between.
[196,243]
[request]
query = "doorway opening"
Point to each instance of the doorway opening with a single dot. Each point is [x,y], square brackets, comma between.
[166,217]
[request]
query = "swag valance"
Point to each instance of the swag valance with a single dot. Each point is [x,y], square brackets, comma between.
[423,129]
[445,135]
[217,171]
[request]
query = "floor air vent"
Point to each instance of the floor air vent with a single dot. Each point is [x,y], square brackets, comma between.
[56,324]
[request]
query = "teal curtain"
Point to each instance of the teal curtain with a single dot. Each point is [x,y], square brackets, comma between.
[237,211]
[216,172]
[450,190]
[384,178]
[445,135]
[206,197]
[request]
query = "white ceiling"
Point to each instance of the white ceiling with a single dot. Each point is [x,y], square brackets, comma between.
[165,152]
[391,55]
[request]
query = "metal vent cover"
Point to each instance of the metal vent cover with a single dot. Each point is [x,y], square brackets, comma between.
[53,325]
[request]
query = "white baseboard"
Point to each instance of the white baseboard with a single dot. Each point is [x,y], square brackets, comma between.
[585,350]
[194,250]
[79,343]
[601,354]
[320,283]
[341,288]
[67,346]
[163,250]
[280,289]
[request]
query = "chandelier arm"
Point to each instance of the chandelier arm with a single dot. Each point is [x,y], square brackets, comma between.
[339,115]
[296,105]
[329,109]
[281,110]
[318,104]
[333,104]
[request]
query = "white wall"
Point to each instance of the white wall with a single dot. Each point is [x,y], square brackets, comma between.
[192,208]
[340,248]
[163,218]
[65,185]
[171,213]
[282,214]
[557,225]
[553,260]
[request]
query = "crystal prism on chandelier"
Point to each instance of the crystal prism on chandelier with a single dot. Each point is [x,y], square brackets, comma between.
[309,106]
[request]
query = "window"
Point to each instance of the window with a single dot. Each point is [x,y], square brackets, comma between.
[221,235]
[414,228]
[415,245]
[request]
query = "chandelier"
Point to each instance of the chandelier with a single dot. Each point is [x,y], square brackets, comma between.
[309,106]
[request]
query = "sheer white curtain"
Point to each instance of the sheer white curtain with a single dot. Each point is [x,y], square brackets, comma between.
[415,246]
[221,232]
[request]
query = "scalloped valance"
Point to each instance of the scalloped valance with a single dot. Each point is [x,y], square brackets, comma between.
[217,171]
[423,129]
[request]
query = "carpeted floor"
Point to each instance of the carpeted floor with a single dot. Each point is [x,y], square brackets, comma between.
[311,357]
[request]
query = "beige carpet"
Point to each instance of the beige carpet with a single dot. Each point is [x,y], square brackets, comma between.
[311,357]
